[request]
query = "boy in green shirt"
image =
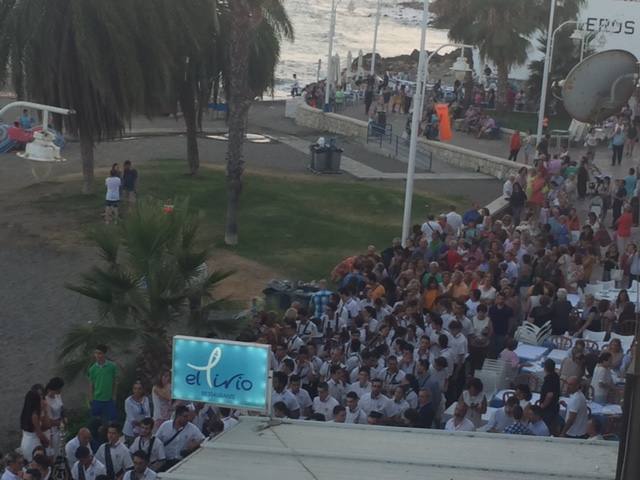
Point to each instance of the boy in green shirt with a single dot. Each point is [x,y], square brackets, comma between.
[102,385]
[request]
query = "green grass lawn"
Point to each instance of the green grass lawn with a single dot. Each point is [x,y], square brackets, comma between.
[529,121]
[299,227]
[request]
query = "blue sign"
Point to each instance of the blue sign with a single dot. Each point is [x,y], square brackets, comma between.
[221,372]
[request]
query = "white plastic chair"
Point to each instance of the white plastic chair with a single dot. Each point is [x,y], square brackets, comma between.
[625,340]
[594,336]
[592,289]
[610,285]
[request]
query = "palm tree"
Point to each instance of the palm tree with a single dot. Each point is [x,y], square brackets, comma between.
[195,53]
[254,30]
[499,28]
[91,56]
[151,285]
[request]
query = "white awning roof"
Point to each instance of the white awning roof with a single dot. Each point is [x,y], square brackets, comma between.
[297,450]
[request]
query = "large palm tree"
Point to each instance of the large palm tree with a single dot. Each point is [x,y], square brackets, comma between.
[501,30]
[254,30]
[99,58]
[150,285]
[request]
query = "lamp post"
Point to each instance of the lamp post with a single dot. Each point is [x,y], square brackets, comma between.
[545,75]
[582,36]
[418,99]
[375,38]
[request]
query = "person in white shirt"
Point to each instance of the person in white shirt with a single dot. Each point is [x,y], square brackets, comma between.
[454,219]
[337,387]
[458,344]
[281,394]
[536,424]
[375,401]
[502,418]
[179,436]
[113,454]
[13,462]
[429,227]
[82,439]
[398,405]
[363,385]
[577,415]
[306,329]
[602,381]
[324,403]
[507,188]
[150,445]
[137,408]
[391,376]
[112,199]
[86,467]
[473,303]
[354,413]
[302,396]
[140,471]
[294,342]
[459,422]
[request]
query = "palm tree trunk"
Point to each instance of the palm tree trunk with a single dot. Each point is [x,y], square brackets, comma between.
[86,154]
[187,105]
[239,102]
[503,86]
[468,80]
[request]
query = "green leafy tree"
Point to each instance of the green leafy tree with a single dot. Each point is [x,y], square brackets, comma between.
[253,31]
[100,58]
[150,285]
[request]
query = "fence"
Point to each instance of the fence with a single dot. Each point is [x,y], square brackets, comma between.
[397,147]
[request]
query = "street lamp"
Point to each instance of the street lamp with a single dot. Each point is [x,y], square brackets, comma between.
[375,38]
[545,75]
[460,68]
[581,37]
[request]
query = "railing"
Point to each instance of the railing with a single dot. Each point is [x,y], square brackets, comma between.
[397,147]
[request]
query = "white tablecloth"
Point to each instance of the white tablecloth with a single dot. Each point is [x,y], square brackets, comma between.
[530,353]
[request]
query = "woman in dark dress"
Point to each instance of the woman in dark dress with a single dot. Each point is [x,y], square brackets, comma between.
[517,201]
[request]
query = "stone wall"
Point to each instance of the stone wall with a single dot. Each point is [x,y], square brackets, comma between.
[307,116]
[464,159]
[471,160]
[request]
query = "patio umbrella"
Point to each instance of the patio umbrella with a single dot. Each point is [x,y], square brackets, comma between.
[360,72]
[336,70]
[349,67]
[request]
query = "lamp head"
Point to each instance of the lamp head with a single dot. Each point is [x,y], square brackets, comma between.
[460,68]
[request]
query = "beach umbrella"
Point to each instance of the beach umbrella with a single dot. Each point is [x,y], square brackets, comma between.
[360,62]
[349,66]
[336,70]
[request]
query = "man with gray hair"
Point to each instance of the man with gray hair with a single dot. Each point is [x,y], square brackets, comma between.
[13,466]
[560,312]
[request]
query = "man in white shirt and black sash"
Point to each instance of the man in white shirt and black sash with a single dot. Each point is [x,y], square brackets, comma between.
[114,455]
[140,471]
[87,467]
[150,445]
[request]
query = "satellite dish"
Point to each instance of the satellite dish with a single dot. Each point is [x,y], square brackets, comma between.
[600,86]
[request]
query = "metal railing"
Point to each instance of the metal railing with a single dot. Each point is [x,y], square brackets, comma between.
[397,147]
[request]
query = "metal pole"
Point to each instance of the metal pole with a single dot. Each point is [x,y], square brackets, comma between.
[415,125]
[332,31]
[545,75]
[36,106]
[319,67]
[375,39]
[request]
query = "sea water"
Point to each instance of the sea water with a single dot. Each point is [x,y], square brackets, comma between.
[398,34]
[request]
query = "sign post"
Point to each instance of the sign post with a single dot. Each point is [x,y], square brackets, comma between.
[221,372]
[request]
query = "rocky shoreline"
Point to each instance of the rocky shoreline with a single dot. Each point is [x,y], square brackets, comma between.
[439,67]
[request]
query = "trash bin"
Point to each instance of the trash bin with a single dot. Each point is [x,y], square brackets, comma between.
[336,158]
[320,158]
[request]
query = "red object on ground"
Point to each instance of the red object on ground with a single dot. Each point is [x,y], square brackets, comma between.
[17,134]
[442,110]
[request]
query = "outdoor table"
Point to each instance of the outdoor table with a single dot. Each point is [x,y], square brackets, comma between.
[530,353]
